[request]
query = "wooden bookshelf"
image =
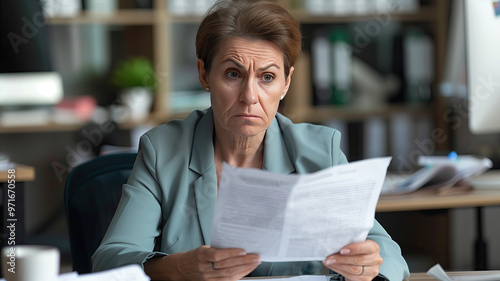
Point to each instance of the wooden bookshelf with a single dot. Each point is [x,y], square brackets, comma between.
[120,17]
[298,102]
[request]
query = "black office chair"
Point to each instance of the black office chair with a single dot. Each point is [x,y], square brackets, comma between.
[93,190]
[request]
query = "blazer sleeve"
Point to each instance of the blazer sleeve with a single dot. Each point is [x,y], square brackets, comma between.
[394,266]
[338,156]
[130,238]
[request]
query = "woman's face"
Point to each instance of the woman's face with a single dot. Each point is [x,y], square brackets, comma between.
[246,81]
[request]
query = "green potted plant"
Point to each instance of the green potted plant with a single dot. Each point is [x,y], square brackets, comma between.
[136,80]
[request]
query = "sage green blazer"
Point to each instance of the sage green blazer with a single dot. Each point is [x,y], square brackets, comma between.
[168,202]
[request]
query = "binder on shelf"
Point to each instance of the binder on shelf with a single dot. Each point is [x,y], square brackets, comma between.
[419,65]
[341,67]
[189,7]
[322,70]
[398,68]
[375,137]
[315,7]
[100,6]
[401,140]
[359,7]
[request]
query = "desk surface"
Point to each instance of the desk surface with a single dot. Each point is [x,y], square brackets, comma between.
[424,277]
[23,173]
[486,193]
[421,276]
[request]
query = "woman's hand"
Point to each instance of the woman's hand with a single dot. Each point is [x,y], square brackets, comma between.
[357,261]
[203,263]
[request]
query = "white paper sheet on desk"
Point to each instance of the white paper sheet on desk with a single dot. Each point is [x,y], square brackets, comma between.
[133,272]
[438,272]
[297,278]
[297,217]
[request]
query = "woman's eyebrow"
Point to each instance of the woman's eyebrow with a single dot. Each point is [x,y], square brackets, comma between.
[269,66]
[239,65]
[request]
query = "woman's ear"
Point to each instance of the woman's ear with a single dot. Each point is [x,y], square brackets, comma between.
[202,74]
[287,82]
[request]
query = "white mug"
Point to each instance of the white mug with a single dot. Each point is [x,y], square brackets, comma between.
[30,262]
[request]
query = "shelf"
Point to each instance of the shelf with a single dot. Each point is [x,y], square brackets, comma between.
[194,19]
[121,17]
[432,13]
[51,127]
[319,114]
[423,14]
[125,17]
[57,127]
[150,17]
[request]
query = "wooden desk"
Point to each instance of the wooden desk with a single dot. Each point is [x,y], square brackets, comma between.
[428,200]
[425,277]
[486,193]
[12,200]
[420,276]
[23,174]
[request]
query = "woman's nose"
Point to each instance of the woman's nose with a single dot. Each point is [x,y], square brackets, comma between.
[249,92]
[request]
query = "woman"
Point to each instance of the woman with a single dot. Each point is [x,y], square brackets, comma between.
[246,51]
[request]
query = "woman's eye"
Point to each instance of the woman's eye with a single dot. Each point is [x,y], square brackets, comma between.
[268,78]
[232,74]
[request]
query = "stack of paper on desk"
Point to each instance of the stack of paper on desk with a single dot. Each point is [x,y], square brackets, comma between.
[297,217]
[298,278]
[438,272]
[441,173]
[133,272]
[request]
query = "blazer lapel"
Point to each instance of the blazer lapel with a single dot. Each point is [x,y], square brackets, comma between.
[276,158]
[205,190]
[202,163]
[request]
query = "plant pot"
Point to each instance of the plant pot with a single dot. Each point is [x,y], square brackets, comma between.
[138,100]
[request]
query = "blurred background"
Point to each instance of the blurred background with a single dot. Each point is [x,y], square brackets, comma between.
[80,78]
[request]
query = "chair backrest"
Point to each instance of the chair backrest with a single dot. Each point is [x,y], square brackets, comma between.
[93,190]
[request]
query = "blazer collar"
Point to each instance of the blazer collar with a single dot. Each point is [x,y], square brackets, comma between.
[276,157]
[202,163]
[202,153]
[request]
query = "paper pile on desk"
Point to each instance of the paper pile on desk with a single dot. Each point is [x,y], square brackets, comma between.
[438,272]
[133,272]
[442,174]
[297,217]
[297,278]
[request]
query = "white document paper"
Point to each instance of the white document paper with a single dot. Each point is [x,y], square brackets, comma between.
[438,272]
[297,217]
[437,171]
[298,278]
[132,272]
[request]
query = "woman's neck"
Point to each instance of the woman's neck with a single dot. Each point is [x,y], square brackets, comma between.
[239,151]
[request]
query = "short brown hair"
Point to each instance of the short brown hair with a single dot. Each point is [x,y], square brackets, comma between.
[261,20]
